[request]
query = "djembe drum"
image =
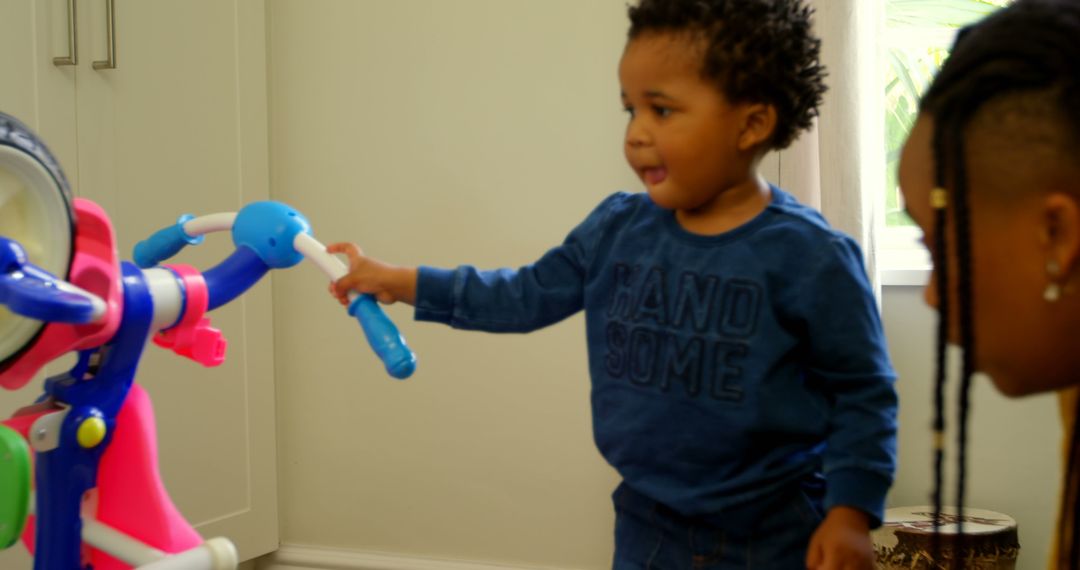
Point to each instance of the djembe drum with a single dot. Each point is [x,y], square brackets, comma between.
[990,540]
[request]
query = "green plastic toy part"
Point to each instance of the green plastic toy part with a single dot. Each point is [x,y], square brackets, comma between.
[14,485]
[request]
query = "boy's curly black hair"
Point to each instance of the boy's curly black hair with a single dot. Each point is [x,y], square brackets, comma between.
[758,51]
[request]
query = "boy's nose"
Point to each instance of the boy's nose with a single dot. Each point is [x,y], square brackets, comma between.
[636,136]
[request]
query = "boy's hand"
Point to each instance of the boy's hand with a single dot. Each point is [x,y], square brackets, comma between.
[387,283]
[841,542]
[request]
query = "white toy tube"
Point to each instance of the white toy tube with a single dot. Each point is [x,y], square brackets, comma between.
[214,554]
[119,545]
[312,249]
[168,295]
[209,223]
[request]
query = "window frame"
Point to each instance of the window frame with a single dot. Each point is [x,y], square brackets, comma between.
[902,259]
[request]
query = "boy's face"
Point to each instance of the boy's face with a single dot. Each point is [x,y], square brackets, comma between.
[683,138]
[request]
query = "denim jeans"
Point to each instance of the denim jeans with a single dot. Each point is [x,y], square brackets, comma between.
[650,536]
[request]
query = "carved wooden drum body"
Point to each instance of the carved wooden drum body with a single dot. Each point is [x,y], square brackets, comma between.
[990,539]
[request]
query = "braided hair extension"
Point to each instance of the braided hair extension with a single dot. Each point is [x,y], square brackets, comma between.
[1032,46]
[939,202]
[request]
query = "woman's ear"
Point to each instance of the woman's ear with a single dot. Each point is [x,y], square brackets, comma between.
[759,125]
[1061,231]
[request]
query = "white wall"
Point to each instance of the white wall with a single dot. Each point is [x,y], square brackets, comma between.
[437,132]
[481,131]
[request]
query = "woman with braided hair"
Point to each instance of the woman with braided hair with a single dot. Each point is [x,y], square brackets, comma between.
[991,173]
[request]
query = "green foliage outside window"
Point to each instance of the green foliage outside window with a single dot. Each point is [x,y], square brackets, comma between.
[918,36]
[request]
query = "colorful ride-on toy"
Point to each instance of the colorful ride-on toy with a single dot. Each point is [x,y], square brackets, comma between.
[78,467]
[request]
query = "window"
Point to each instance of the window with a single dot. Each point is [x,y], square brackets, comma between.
[918,35]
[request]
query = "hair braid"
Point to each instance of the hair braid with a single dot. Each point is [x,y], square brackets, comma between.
[967,334]
[940,254]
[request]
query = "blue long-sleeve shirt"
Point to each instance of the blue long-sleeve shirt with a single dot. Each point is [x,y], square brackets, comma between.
[724,368]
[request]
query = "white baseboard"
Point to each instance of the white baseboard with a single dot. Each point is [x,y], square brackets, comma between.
[294,557]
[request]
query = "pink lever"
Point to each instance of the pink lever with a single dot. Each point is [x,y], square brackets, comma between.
[193,337]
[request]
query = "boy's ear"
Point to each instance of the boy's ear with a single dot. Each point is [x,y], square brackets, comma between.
[759,124]
[1061,230]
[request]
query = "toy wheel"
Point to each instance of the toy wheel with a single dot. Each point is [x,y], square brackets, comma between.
[36,211]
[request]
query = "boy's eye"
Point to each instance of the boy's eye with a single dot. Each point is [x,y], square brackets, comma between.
[629,111]
[661,111]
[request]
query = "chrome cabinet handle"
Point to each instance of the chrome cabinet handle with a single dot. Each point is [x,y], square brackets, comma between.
[72,57]
[110,36]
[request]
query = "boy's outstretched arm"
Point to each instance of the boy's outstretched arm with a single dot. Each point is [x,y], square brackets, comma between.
[842,541]
[387,283]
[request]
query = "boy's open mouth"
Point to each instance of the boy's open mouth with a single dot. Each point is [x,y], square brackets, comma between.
[654,175]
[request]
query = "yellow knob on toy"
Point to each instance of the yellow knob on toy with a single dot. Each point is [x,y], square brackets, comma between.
[91,432]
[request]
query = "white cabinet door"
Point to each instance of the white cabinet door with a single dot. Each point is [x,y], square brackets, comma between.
[32,88]
[179,126]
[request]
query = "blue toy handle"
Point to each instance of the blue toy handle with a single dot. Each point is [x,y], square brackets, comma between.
[32,292]
[164,244]
[383,337]
[271,235]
